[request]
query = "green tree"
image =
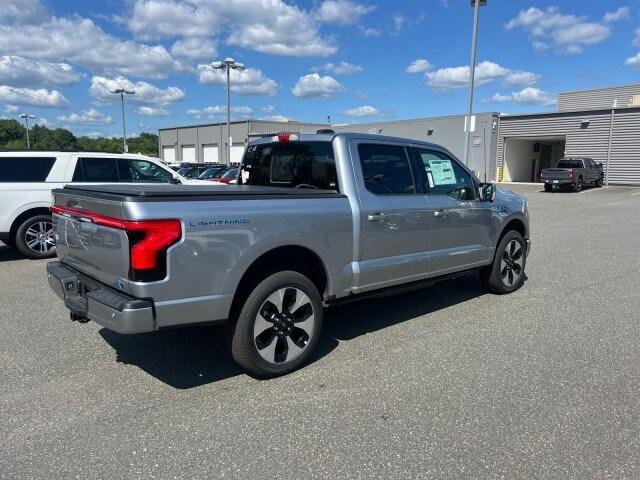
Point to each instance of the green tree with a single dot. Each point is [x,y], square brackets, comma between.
[11,131]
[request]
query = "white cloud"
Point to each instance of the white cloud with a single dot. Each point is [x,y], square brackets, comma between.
[87,117]
[399,22]
[37,98]
[267,26]
[279,118]
[145,93]
[23,72]
[619,14]
[342,12]
[245,82]
[194,49]
[458,77]
[636,40]
[268,109]
[43,122]
[153,111]
[564,33]
[363,111]
[633,61]
[22,11]
[342,68]
[370,32]
[519,78]
[418,66]
[526,96]
[11,108]
[156,19]
[314,85]
[220,110]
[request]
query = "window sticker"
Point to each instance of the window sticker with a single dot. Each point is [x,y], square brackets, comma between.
[442,172]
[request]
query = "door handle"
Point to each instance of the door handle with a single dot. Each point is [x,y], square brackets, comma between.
[441,213]
[377,217]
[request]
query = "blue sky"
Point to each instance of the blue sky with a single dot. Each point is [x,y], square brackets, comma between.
[357,61]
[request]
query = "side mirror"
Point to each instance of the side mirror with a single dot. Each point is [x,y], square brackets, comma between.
[600,165]
[175,179]
[487,192]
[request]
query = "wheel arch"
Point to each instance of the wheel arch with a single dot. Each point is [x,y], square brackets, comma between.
[289,257]
[30,212]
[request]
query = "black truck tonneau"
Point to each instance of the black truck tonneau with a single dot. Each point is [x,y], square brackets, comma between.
[159,193]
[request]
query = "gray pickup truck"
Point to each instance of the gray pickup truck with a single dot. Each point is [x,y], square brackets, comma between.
[315,220]
[574,173]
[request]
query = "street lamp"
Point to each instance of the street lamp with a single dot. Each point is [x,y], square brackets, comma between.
[472,73]
[228,64]
[26,117]
[122,92]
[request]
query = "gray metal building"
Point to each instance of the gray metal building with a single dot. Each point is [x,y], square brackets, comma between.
[205,143]
[603,124]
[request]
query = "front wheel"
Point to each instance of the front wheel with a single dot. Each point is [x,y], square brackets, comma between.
[34,237]
[578,186]
[506,273]
[599,182]
[278,326]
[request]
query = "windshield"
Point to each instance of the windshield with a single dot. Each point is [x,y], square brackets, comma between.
[212,173]
[290,165]
[568,163]
[232,173]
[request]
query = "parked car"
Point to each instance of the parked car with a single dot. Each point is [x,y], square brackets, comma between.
[574,173]
[229,177]
[27,178]
[194,170]
[315,220]
[213,173]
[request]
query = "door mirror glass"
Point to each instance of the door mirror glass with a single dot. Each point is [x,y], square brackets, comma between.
[175,179]
[487,192]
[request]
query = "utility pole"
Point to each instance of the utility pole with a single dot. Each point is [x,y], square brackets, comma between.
[26,117]
[228,64]
[122,92]
[476,4]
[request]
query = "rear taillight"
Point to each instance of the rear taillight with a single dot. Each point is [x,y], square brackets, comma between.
[285,137]
[571,172]
[148,240]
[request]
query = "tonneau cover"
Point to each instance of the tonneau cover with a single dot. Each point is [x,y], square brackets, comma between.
[151,193]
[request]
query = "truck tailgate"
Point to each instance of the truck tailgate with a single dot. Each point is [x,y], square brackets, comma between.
[99,251]
[556,174]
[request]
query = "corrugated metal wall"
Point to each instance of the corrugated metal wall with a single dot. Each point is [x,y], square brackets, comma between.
[592,141]
[595,99]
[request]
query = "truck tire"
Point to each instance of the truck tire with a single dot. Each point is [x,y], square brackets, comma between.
[599,182]
[578,185]
[278,326]
[506,273]
[548,188]
[34,237]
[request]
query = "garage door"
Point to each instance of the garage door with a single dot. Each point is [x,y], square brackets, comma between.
[236,153]
[169,154]
[210,153]
[189,153]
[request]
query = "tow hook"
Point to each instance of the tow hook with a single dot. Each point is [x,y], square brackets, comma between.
[78,318]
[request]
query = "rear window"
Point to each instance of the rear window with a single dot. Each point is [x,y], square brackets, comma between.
[566,163]
[25,169]
[290,165]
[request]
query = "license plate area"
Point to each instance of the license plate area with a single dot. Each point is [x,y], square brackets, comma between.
[556,181]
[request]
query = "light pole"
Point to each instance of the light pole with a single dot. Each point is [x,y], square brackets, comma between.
[476,4]
[228,64]
[26,117]
[122,92]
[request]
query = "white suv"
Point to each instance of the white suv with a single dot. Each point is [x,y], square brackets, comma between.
[27,178]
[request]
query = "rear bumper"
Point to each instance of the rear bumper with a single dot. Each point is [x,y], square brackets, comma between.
[559,183]
[87,298]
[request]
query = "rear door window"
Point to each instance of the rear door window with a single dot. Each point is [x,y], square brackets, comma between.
[25,169]
[94,169]
[386,169]
[568,163]
[290,165]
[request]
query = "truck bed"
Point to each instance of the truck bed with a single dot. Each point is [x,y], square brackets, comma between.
[158,193]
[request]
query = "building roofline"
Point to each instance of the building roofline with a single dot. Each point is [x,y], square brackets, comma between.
[600,88]
[238,122]
[417,119]
[593,111]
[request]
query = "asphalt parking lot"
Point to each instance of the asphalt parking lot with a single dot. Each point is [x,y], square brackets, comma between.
[446,382]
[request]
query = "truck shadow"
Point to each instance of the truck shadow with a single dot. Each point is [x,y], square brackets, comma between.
[190,357]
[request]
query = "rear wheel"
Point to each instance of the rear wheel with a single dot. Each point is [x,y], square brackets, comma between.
[578,185]
[547,188]
[278,326]
[506,273]
[34,237]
